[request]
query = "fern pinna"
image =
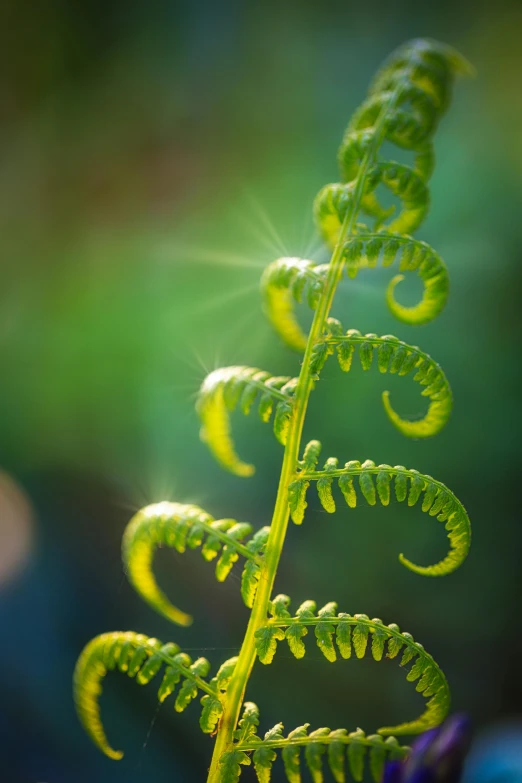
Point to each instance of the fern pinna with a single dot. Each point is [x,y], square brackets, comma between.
[405,102]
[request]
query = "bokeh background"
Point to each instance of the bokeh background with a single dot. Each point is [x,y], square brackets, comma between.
[154,157]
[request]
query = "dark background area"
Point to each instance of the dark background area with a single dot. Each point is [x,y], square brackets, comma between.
[154,157]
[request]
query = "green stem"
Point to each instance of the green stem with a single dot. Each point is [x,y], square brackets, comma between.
[186,672]
[236,690]
[304,741]
[314,475]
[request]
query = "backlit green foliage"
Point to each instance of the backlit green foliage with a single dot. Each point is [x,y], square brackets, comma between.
[404,105]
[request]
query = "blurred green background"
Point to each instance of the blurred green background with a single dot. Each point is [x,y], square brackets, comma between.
[154,158]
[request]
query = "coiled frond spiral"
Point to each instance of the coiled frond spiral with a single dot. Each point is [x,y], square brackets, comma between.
[179,526]
[291,280]
[417,80]
[408,485]
[396,357]
[223,390]
[364,251]
[284,282]
[141,658]
[356,632]
[338,746]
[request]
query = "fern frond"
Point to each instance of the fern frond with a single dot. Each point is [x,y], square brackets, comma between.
[179,526]
[290,280]
[343,632]
[396,357]
[223,390]
[417,78]
[365,249]
[284,282]
[141,658]
[333,201]
[404,106]
[428,65]
[410,485]
[341,749]
[230,765]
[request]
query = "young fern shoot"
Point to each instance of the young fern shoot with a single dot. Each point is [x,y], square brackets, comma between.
[404,105]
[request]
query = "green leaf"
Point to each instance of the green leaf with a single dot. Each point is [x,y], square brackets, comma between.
[149,669]
[360,636]
[180,525]
[379,637]
[401,484]
[294,636]
[250,582]
[266,639]
[383,484]
[336,755]
[408,654]
[314,753]
[229,555]
[344,637]
[249,722]
[189,689]
[137,656]
[285,280]
[252,570]
[395,643]
[417,669]
[366,354]
[219,395]
[416,487]
[311,455]
[212,711]
[170,679]
[279,607]
[297,499]
[320,353]
[225,673]
[345,352]
[292,755]
[324,632]
[384,354]
[377,757]
[264,757]
[324,490]
[229,765]
[366,483]
[356,755]
[346,486]
[282,420]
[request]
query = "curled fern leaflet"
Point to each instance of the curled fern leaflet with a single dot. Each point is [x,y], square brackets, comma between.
[182,526]
[365,249]
[284,282]
[396,357]
[339,748]
[223,390]
[408,485]
[343,633]
[140,658]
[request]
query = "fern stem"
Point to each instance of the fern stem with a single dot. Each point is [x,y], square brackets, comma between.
[227,540]
[393,471]
[234,696]
[187,673]
[304,741]
[375,341]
